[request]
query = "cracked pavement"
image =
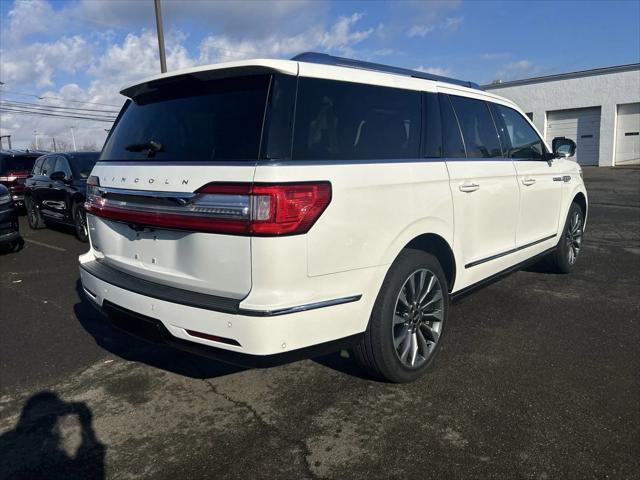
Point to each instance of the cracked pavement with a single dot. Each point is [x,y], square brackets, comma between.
[538,378]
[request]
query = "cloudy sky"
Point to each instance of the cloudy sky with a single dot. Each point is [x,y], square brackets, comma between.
[64,53]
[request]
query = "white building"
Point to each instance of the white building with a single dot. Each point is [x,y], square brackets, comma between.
[599,109]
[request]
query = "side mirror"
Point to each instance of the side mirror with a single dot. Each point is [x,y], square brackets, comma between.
[563,147]
[58,176]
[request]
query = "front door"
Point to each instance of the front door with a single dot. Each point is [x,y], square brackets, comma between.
[483,186]
[539,180]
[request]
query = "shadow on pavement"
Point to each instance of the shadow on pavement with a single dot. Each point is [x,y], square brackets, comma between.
[39,446]
[137,350]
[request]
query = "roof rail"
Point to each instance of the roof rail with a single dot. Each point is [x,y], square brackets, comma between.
[326,59]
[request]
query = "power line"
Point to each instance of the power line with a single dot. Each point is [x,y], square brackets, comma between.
[8,110]
[57,107]
[39,97]
[40,110]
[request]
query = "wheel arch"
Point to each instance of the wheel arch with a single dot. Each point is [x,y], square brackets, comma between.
[581,200]
[436,245]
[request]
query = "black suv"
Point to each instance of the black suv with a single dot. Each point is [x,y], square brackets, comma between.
[9,229]
[55,191]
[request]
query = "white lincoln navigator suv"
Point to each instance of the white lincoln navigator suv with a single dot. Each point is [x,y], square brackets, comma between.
[257,209]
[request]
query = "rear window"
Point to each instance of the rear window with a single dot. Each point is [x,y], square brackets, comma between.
[17,163]
[189,119]
[350,121]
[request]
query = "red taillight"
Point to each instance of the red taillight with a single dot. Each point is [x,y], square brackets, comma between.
[288,209]
[230,208]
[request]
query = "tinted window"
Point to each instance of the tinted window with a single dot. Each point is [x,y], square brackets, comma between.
[49,163]
[282,99]
[451,139]
[192,120]
[62,166]
[37,168]
[432,141]
[350,121]
[82,164]
[521,139]
[478,129]
[17,163]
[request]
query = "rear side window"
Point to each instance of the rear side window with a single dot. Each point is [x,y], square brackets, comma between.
[479,131]
[350,121]
[432,136]
[521,139]
[192,119]
[451,138]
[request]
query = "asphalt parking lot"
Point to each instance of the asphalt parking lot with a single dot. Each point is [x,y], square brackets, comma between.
[539,378]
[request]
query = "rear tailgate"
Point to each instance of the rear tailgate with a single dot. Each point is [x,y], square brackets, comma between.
[174,136]
[203,262]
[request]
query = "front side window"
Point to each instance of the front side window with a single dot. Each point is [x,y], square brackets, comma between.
[47,166]
[188,118]
[63,166]
[37,168]
[522,140]
[350,121]
[479,131]
[82,164]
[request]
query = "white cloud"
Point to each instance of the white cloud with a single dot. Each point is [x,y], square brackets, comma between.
[434,70]
[420,30]
[519,69]
[452,24]
[494,55]
[341,37]
[38,62]
[108,65]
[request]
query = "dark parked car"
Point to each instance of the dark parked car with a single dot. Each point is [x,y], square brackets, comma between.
[9,229]
[55,191]
[15,167]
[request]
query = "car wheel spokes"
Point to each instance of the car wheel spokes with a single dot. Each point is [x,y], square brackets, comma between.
[418,317]
[574,237]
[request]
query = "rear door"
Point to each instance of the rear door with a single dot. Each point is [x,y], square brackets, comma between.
[483,185]
[540,181]
[173,138]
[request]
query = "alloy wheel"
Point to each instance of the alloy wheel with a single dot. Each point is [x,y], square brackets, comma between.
[574,237]
[81,222]
[418,318]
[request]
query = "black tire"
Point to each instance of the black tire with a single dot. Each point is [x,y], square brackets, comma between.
[34,218]
[80,222]
[377,351]
[570,244]
[17,245]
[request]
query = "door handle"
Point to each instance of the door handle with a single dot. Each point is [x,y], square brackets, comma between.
[469,187]
[528,181]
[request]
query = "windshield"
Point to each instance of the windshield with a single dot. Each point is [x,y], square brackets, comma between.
[82,164]
[188,119]
[21,163]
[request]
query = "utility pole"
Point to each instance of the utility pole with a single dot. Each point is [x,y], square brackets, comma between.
[53,139]
[73,139]
[8,137]
[35,132]
[163,60]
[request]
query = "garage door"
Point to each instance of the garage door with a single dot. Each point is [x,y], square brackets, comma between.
[582,125]
[628,135]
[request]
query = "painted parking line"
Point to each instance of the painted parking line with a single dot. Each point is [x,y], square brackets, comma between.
[53,247]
